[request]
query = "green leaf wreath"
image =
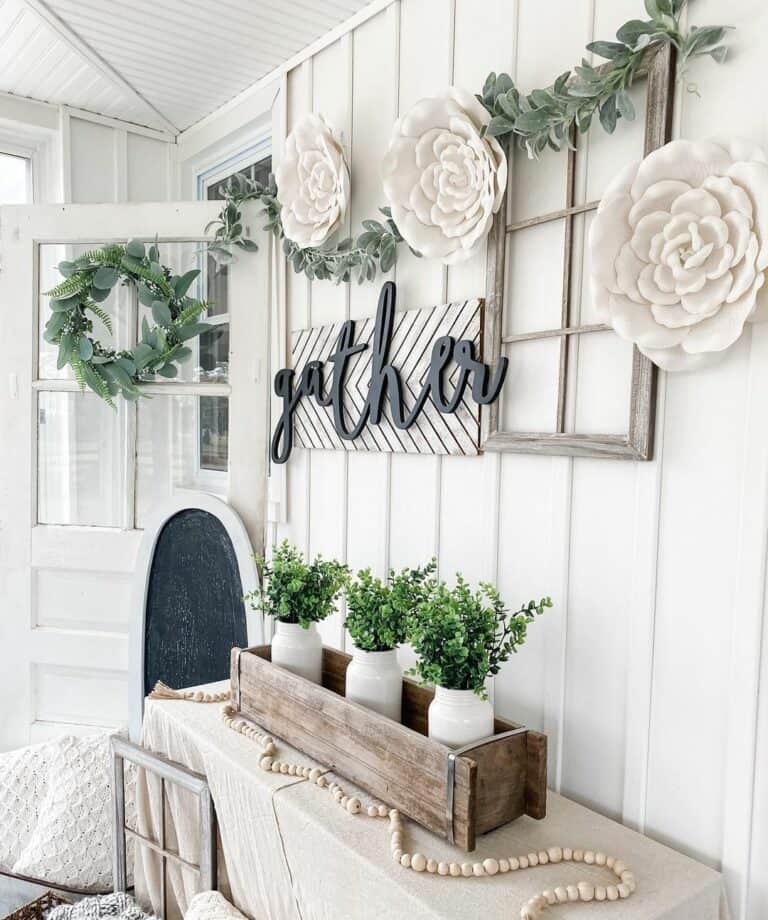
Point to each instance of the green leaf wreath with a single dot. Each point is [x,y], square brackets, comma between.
[543,118]
[74,303]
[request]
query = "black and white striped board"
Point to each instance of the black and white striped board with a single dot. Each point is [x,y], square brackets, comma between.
[415,332]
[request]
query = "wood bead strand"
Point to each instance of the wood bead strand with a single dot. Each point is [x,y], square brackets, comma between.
[418,862]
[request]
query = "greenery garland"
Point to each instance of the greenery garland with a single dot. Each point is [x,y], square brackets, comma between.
[88,280]
[543,118]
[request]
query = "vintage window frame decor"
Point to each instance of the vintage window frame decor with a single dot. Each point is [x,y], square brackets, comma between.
[658,67]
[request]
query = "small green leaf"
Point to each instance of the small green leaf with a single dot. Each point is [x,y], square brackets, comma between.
[168,370]
[161,313]
[61,306]
[142,355]
[105,277]
[136,249]
[183,283]
[86,348]
[624,105]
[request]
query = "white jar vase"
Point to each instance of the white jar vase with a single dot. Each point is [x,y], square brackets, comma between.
[459,717]
[299,650]
[375,680]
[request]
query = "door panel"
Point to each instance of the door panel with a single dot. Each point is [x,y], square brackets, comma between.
[65,586]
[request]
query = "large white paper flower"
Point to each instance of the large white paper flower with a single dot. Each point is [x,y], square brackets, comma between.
[679,247]
[444,182]
[312,182]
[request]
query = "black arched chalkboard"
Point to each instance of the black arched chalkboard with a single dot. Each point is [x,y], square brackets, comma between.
[195,611]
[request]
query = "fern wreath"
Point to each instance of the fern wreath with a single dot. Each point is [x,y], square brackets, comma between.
[87,282]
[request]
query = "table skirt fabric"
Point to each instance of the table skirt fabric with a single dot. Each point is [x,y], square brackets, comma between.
[288,852]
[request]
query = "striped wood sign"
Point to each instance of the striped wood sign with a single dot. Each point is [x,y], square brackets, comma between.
[414,334]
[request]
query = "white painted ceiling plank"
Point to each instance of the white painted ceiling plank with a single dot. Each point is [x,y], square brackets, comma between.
[92,57]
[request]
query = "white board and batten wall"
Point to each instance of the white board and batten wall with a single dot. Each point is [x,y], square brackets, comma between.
[646,674]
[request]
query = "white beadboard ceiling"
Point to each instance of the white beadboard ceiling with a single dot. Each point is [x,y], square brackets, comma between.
[161,63]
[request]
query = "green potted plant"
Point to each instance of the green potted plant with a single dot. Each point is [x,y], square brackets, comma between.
[462,637]
[297,595]
[376,621]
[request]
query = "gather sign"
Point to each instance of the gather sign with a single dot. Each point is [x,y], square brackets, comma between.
[408,381]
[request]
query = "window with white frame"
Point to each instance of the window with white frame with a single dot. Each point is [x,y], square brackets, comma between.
[15,178]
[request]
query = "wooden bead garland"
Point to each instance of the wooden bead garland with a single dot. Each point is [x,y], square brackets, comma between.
[418,862]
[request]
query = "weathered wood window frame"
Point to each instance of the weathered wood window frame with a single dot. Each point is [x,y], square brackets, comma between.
[658,68]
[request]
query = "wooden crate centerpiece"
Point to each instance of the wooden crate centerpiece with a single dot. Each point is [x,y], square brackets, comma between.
[455,794]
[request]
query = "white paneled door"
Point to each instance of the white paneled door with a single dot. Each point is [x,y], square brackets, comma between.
[78,478]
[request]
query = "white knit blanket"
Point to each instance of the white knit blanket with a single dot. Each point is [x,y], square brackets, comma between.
[120,906]
[56,812]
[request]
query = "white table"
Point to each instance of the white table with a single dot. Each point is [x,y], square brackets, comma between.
[288,852]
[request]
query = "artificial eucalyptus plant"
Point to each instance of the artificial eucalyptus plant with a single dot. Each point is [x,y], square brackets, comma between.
[377,611]
[294,591]
[463,636]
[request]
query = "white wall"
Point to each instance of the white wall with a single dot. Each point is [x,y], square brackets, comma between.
[646,674]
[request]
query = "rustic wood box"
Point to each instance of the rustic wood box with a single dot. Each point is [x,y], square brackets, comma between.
[455,794]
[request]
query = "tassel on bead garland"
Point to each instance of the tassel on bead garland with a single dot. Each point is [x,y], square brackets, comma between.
[164,692]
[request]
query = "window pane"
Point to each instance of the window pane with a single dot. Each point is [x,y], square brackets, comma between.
[14,188]
[79,460]
[214,433]
[602,364]
[214,354]
[182,444]
[533,297]
[116,305]
[529,398]
[217,275]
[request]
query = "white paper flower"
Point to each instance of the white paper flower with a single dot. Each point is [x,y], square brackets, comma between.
[312,182]
[679,248]
[444,181]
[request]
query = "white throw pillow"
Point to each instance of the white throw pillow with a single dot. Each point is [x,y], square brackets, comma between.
[212,905]
[72,842]
[23,785]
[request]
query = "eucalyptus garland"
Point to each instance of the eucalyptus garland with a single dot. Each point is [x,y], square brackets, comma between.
[74,304]
[543,118]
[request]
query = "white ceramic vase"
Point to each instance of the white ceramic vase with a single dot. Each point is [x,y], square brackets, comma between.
[459,717]
[375,680]
[299,650]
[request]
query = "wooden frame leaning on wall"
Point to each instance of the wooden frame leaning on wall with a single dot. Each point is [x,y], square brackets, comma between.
[659,68]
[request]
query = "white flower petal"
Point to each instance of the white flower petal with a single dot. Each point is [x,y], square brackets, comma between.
[628,268]
[657,197]
[676,360]
[731,196]
[674,316]
[745,272]
[698,201]
[649,291]
[686,161]
[636,324]
[711,296]
[753,178]
[607,234]
[739,231]
[646,229]
[720,331]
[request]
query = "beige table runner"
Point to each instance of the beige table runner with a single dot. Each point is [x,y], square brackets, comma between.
[288,852]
